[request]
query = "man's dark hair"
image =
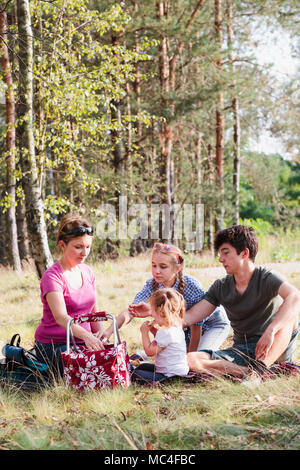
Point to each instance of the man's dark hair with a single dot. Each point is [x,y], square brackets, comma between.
[240,237]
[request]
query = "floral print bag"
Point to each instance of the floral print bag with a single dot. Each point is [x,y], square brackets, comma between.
[88,370]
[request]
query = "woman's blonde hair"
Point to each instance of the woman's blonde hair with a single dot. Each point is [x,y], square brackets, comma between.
[177,259]
[171,305]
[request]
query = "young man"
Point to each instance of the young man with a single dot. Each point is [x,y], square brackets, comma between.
[261,305]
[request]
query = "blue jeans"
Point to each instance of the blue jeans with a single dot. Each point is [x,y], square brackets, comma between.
[215,330]
[145,374]
[244,354]
[50,354]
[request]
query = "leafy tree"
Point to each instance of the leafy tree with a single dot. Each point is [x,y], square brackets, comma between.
[33,200]
[157,101]
[270,189]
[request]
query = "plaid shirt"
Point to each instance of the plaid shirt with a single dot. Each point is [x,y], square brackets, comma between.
[192,292]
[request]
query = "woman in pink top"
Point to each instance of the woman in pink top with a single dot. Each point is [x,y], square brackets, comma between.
[67,290]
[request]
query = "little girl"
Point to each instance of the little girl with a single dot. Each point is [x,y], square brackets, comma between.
[169,346]
[168,271]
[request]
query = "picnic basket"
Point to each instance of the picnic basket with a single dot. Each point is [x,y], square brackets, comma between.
[89,370]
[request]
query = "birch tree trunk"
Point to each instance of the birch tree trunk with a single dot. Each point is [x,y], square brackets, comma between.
[23,238]
[10,149]
[33,201]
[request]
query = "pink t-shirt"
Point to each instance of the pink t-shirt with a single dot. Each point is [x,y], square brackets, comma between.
[78,301]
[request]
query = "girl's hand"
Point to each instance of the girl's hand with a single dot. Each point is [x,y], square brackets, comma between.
[154,328]
[140,310]
[145,327]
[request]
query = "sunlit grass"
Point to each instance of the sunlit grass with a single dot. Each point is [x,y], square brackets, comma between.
[219,414]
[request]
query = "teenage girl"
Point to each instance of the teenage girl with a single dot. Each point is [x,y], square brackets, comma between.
[168,347]
[167,271]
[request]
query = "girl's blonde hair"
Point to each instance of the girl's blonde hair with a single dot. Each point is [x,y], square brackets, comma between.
[171,305]
[177,259]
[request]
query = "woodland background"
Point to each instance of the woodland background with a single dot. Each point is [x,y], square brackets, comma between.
[161,102]
[158,101]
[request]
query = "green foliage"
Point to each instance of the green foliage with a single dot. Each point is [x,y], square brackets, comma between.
[287,247]
[55,206]
[276,244]
[283,253]
[262,227]
[5,202]
[77,75]
[101,102]
[270,189]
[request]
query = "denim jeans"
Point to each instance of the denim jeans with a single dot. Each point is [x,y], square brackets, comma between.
[50,354]
[244,354]
[145,374]
[214,330]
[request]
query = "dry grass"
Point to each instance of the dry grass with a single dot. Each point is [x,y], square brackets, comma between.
[218,414]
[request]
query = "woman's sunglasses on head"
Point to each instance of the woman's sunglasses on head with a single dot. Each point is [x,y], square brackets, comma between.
[79,231]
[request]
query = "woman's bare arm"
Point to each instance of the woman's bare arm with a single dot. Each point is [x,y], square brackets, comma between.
[57,306]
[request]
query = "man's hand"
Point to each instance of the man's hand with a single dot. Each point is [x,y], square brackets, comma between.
[264,345]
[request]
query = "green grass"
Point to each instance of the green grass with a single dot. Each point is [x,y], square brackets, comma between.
[218,414]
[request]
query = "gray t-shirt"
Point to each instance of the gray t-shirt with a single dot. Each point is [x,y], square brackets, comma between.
[251,312]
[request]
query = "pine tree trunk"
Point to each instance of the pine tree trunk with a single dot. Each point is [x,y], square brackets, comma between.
[236,117]
[33,201]
[219,120]
[10,149]
[167,71]
[166,131]
[210,215]
[116,133]
[237,158]
[137,81]
[117,137]
[199,163]
[2,238]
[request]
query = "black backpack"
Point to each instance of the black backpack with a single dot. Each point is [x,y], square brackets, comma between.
[21,368]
